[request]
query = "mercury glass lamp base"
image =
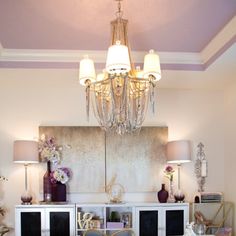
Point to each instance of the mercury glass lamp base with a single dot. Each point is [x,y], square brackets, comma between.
[26,198]
[179,196]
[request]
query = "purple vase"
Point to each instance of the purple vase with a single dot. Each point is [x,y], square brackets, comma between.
[162,194]
[47,185]
[58,192]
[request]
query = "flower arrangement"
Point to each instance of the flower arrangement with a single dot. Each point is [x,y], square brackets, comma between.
[169,172]
[2,211]
[49,150]
[61,175]
[2,178]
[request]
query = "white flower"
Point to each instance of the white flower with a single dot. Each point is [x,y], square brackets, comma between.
[60,176]
[48,149]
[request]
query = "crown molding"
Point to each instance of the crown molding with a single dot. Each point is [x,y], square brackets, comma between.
[220,43]
[169,60]
[29,55]
[1,48]
[68,56]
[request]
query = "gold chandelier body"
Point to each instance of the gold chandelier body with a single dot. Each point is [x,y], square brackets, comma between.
[120,95]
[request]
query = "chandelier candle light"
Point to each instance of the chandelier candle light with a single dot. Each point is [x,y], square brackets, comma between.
[121,93]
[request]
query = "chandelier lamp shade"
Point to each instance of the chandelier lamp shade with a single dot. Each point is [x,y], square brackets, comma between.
[120,94]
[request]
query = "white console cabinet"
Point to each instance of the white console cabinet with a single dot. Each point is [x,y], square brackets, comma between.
[146,219]
[45,220]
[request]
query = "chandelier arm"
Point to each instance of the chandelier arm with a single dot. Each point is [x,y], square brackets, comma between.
[88,100]
[152,92]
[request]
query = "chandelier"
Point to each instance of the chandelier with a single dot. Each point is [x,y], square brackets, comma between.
[121,93]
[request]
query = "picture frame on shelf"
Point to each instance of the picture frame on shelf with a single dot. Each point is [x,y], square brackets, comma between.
[126,218]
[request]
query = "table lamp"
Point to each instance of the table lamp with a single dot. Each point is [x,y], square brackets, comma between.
[178,152]
[26,152]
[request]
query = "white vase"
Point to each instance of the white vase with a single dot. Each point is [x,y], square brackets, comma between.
[171,197]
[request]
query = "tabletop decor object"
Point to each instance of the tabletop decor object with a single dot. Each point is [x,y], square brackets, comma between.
[59,178]
[189,230]
[169,173]
[49,152]
[115,191]
[162,194]
[178,152]
[26,152]
[47,184]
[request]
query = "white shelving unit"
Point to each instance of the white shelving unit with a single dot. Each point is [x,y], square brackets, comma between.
[103,213]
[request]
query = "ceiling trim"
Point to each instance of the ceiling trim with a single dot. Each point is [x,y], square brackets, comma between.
[1,48]
[226,35]
[16,58]
[26,55]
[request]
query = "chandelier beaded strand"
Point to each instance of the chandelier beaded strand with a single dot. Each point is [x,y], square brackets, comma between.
[120,94]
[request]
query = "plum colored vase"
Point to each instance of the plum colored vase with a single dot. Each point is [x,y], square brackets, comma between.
[47,185]
[162,194]
[58,192]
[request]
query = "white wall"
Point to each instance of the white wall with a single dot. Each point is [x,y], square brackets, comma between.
[29,98]
[230,144]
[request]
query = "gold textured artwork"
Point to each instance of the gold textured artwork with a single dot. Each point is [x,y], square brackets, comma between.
[137,161]
[85,157]
[94,157]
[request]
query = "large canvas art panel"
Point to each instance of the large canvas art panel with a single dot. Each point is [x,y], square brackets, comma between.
[84,153]
[137,161]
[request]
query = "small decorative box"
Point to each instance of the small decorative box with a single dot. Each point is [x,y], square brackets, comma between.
[115,225]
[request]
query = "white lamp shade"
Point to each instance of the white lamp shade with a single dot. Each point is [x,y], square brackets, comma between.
[26,152]
[178,151]
[87,71]
[118,60]
[152,65]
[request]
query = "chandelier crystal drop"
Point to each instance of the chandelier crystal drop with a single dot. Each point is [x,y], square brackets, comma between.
[121,93]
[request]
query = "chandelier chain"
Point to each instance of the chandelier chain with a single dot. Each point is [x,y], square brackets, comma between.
[119,13]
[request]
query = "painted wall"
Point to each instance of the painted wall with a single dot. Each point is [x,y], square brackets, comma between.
[29,98]
[230,143]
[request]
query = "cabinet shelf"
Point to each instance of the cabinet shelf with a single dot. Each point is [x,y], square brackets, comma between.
[83,230]
[113,229]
